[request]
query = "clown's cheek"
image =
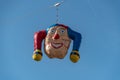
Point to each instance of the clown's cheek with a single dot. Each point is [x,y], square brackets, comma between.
[47,47]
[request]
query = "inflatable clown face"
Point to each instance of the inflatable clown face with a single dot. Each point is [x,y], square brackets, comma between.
[57,42]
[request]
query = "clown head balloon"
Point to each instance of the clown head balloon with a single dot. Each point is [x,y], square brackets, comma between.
[57,39]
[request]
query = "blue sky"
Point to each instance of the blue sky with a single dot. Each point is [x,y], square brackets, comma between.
[97,20]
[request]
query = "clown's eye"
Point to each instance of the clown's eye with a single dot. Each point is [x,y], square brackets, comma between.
[52,31]
[62,31]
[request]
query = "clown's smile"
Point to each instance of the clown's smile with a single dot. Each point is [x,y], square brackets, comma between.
[56,45]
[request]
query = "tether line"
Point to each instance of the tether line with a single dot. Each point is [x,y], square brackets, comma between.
[57,15]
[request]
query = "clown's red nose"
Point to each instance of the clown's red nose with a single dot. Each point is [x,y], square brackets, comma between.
[56,36]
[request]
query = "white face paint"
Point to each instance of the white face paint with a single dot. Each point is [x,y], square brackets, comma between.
[57,42]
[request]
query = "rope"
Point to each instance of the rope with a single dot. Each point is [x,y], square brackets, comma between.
[57,15]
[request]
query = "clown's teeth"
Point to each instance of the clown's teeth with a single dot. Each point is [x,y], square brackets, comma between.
[57,45]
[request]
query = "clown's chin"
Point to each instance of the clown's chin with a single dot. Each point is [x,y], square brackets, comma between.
[52,52]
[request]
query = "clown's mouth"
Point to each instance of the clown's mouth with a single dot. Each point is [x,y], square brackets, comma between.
[56,45]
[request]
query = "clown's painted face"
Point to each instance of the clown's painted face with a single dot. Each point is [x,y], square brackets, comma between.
[57,42]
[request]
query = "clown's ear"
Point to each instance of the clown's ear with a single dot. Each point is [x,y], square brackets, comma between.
[76,37]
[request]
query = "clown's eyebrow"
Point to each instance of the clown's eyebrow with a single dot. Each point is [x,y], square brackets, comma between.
[53,28]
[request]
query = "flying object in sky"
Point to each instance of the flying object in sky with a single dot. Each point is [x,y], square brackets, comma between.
[57,39]
[58,4]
